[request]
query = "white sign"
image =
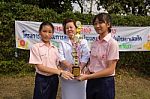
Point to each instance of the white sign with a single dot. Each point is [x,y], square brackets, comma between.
[129,38]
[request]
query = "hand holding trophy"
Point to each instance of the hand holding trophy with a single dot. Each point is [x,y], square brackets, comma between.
[75,52]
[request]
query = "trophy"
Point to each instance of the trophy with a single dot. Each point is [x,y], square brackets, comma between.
[75,52]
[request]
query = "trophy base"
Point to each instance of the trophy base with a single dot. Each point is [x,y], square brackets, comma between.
[76,71]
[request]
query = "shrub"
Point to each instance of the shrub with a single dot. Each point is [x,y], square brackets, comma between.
[16,11]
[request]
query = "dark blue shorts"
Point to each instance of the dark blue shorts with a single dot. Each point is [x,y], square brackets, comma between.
[45,87]
[101,88]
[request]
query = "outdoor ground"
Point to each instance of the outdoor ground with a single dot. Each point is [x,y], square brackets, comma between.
[129,85]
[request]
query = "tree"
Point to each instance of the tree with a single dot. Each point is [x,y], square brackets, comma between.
[57,5]
[136,7]
[80,3]
[85,5]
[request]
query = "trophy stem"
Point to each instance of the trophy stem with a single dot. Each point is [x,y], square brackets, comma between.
[75,68]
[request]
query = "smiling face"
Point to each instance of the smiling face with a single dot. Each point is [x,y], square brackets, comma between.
[101,27]
[70,29]
[102,24]
[46,33]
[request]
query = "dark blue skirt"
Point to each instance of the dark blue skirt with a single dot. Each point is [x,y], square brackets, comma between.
[45,87]
[101,88]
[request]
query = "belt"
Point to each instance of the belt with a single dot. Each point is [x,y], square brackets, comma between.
[40,75]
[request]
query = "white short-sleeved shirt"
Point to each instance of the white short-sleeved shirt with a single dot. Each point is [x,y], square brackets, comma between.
[102,51]
[73,89]
[65,50]
[41,54]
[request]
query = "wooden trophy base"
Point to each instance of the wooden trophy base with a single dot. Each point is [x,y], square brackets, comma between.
[76,71]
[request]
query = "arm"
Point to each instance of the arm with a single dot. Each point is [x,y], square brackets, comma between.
[85,54]
[47,69]
[64,74]
[112,58]
[62,56]
[104,73]
[36,59]
[67,64]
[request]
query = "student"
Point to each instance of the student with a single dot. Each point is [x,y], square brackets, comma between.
[45,56]
[103,60]
[72,89]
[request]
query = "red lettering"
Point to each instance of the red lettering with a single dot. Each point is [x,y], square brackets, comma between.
[86,30]
[58,28]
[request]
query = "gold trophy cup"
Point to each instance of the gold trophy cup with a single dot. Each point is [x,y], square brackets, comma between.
[77,37]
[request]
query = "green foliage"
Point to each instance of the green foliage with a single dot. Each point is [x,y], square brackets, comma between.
[84,18]
[16,11]
[137,60]
[130,20]
[136,7]
[14,66]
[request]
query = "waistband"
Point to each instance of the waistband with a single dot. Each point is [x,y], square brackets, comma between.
[108,75]
[40,75]
[102,78]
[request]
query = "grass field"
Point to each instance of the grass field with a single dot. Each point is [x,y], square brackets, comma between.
[129,85]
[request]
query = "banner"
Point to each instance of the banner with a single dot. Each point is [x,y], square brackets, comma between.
[128,38]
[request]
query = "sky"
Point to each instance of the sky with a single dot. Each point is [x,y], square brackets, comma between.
[86,8]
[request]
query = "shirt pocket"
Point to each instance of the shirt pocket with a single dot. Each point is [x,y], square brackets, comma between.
[43,55]
[94,51]
[103,57]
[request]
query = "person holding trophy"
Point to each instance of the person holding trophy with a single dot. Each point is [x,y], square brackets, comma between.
[44,55]
[74,54]
[103,59]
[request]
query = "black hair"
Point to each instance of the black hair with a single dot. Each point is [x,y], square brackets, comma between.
[67,21]
[46,23]
[104,17]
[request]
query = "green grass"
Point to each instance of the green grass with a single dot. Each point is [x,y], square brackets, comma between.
[130,84]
